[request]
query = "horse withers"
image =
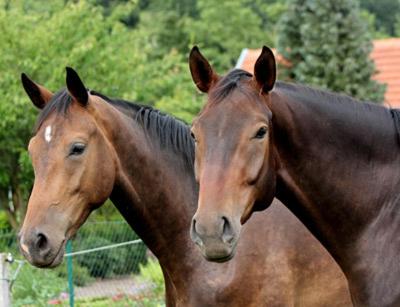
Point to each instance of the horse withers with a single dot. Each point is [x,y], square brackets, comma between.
[333,161]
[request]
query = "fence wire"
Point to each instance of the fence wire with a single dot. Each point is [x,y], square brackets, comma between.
[107,259]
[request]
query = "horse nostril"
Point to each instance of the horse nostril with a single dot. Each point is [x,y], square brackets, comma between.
[194,234]
[193,228]
[41,241]
[227,231]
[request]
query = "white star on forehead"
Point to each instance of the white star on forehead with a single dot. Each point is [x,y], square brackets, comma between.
[47,134]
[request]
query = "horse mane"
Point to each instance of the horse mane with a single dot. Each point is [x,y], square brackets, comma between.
[307,93]
[232,80]
[227,84]
[170,133]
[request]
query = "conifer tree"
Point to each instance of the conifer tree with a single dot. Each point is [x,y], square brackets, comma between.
[326,44]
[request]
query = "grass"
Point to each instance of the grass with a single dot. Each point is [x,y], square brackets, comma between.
[118,301]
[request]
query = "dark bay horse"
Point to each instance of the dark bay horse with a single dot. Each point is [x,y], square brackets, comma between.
[333,161]
[88,147]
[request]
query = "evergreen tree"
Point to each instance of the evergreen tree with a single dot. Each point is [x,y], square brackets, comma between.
[326,44]
[386,13]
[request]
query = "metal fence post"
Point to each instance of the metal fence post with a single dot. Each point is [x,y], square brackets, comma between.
[4,286]
[70,277]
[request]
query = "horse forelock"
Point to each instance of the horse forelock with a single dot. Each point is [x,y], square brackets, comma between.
[227,84]
[59,103]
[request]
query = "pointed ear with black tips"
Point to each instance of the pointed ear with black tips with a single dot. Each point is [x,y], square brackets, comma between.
[202,73]
[265,70]
[38,94]
[75,87]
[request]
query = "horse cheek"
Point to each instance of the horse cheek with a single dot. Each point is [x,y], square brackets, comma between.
[103,177]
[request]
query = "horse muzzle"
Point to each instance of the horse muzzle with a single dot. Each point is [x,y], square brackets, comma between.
[40,250]
[216,239]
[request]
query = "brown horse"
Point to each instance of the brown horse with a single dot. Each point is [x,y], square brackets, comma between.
[88,147]
[333,161]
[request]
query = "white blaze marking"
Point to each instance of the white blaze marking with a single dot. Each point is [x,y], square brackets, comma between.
[47,134]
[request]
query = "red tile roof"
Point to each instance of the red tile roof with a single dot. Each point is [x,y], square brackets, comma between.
[386,55]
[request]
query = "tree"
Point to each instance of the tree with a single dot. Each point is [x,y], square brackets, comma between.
[386,13]
[370,19]
[224,28]
[327,44]
[221,28]
[111,58]
[269,11]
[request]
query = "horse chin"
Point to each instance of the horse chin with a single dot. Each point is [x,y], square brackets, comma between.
[59,257]
[218,252]
[53,261]
[220,259]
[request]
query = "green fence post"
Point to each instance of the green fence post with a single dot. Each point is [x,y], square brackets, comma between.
[70,279]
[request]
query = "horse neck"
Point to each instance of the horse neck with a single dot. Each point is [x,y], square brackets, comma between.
[339,173]
[153,191]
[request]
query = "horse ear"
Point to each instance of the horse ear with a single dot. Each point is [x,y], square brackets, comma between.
[265,70]
[202,73]
[76,87]
[38,94]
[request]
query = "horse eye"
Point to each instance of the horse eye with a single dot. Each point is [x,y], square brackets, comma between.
[77,149]
[261,133]
[193,136]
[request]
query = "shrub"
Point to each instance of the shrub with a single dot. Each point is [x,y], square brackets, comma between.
[81,275]
[111,262]
[116,261]
[5,225]
[327,45]
[37,286]
[99,264]
[9,242]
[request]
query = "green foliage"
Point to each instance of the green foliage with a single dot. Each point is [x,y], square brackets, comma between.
[106,213]
[221,28]
[370,20]
[34,286]
[81,274]
[151,273]
[226,27]
[119,302]
[397,26]
[327,45]
[110,262]
[269,11]
[184,101]
[8,242]
[386,13]
[4,223]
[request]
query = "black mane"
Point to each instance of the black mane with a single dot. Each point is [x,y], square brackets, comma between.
[232,80]
[170,133]
[308,93]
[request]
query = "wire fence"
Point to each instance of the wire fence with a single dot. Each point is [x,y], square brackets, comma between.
[107,261]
